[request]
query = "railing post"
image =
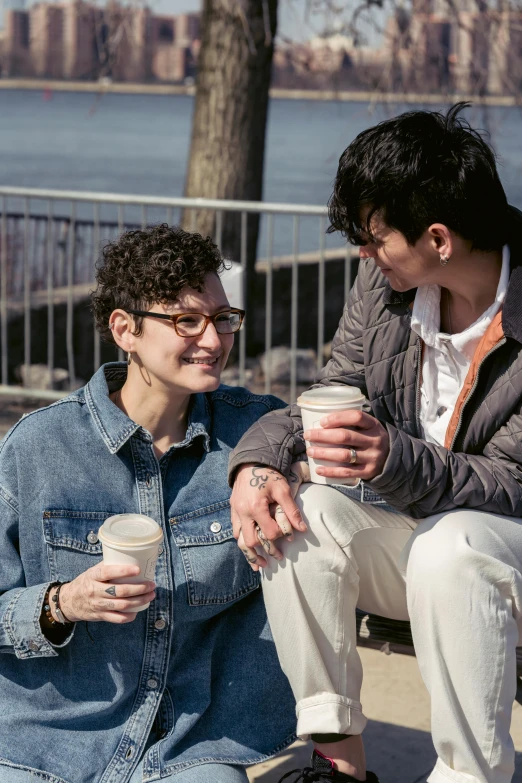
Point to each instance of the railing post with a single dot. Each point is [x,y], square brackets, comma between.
[268,305]
[69,329]
[96,250]
[294,312]
[321,295]
[3,291]
[27,289]
[50,294]
[242,333]
[121,229]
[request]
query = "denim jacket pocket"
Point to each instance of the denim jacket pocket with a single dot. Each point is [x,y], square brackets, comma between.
[216,571]
[72,541]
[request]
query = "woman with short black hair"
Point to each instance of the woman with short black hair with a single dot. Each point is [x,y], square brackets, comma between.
[432,335]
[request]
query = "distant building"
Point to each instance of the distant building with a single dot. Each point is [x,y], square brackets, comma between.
[77,39]
[173,51]
[82,32]
[46,40]
[17,60]
[132,61]
[430,50]
[187,29]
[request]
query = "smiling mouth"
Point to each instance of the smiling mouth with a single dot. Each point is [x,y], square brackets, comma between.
[202,361]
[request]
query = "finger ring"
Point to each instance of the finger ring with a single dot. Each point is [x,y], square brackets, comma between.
[353,457]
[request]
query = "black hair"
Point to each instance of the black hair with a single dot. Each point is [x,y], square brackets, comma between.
[148,266]
[416,169]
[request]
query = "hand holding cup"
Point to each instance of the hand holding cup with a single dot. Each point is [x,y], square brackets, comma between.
[347,446]
[96,596]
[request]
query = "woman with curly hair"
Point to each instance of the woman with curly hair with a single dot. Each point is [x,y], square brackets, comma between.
[94,690]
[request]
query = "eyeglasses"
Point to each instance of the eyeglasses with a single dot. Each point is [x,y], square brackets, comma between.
[194,324]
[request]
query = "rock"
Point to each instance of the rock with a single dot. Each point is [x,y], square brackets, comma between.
[38,376]
[281,360]
[230,376]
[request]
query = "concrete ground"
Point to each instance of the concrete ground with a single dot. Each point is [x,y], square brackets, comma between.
[397,738]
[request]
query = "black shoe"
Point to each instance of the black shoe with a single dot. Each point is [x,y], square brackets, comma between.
[322,769]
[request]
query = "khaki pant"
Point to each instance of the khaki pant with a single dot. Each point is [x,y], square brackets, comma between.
[456,576]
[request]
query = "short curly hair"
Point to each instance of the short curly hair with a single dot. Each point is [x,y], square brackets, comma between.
[150,266]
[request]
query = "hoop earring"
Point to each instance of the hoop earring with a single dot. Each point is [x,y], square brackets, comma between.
[129,358]
[443,260]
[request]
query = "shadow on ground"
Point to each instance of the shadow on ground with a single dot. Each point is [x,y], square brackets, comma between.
[395,753]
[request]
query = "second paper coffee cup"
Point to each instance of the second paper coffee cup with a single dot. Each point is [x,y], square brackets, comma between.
[131,539]
[317,403]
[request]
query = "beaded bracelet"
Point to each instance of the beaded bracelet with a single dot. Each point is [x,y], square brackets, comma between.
[62,620]
[56,601]
[47,606]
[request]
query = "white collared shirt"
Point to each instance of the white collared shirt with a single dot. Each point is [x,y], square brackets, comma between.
[447,357]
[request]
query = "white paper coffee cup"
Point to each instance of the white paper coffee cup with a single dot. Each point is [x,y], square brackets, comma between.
[131,539]
[317,403]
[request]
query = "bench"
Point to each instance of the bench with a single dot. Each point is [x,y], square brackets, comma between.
[394,636]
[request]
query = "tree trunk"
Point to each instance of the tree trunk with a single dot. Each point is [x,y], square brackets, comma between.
[229,126]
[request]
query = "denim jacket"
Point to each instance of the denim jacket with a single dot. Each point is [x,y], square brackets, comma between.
[193,679]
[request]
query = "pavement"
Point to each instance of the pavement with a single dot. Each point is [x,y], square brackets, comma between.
[397,739]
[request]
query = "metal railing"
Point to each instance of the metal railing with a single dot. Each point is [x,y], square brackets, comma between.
[51,239]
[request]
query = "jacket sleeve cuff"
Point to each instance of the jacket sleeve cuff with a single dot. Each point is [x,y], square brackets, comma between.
[392,475]
[22,624]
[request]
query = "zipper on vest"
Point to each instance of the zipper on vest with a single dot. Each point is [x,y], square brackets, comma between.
[418,389]
[473,389]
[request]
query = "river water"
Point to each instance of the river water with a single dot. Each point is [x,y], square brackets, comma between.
[139,144]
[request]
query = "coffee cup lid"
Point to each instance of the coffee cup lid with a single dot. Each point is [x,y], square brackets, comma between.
[331,395]
[130,530]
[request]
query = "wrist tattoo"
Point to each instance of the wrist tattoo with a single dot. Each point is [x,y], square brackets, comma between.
[261,475]
[111,591]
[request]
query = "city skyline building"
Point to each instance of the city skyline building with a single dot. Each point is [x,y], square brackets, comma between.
[467,52]
[76,39]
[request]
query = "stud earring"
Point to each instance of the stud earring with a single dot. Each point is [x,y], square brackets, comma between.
[444,260]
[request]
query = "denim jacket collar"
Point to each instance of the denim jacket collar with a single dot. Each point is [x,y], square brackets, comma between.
[116,428]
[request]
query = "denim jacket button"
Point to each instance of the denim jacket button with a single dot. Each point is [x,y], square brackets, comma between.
[33,646]
[92,538]
[152,683]
[160,625]
[215,527]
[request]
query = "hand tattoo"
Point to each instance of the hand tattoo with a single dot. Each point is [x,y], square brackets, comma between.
[111,591]
[249,557]
[259,480]
[265,543]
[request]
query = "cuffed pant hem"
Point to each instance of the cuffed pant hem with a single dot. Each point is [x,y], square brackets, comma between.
[442,774]
[328,713]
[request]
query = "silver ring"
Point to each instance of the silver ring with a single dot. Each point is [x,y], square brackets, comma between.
[353,457]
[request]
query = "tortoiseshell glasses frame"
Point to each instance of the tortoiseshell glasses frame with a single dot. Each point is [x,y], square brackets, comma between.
[194,324]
